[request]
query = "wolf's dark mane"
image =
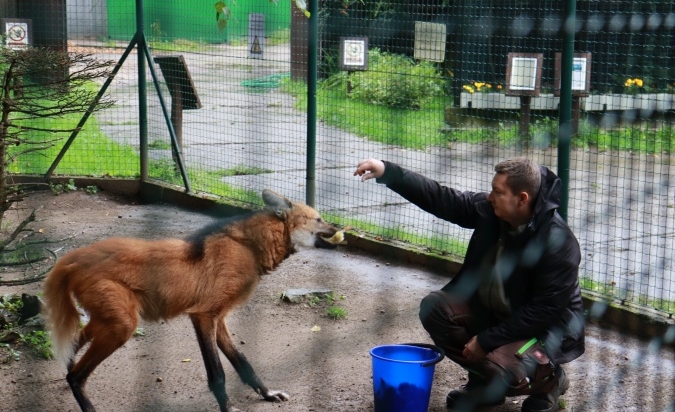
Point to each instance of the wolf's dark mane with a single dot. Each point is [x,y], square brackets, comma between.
[198,239]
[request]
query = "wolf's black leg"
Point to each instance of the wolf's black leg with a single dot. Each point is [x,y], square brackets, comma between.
[206,334]
[243,367]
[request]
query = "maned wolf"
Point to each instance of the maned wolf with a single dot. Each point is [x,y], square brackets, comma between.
[118,280]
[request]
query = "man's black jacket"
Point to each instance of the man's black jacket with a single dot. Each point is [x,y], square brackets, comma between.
[539,266]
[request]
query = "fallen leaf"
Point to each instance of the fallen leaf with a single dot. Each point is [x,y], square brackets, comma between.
[186,360]
[316,328]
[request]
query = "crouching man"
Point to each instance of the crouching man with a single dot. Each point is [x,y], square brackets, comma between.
[513,314]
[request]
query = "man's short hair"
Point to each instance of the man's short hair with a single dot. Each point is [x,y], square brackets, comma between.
[522,175]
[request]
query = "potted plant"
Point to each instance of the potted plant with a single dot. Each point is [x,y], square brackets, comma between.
[631,88]
[483,95]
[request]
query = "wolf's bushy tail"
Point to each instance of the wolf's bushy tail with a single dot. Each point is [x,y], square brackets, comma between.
[63,319]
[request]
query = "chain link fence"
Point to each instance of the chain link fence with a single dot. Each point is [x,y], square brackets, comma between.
[445,88]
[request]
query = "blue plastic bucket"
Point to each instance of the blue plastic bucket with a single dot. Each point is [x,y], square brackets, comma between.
[402,376]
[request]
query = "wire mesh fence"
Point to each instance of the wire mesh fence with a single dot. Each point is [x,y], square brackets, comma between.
[224,104]
[432,86]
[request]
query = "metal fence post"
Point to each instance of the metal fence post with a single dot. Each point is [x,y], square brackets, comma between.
[142,92]
[565,111]
[312,67]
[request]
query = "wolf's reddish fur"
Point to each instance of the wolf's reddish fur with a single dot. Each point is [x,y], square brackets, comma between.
[117,281]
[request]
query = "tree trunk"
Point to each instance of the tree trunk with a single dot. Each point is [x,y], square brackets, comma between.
[4,125]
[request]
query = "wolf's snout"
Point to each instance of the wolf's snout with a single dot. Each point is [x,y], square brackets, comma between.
[331,240]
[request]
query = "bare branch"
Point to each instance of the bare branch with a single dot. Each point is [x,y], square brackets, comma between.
[41,83]
[43,129]
[30,150]
[19,229]
[35,278]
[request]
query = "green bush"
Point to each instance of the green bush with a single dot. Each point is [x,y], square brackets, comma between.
[392,80]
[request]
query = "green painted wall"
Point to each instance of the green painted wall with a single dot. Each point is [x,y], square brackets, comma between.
[193,19]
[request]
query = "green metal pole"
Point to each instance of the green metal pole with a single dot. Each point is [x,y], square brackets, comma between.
[172,132]
[565,111]
[142,91]
[312,60]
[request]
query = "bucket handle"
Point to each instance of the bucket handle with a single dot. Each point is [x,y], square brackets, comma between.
[438,350]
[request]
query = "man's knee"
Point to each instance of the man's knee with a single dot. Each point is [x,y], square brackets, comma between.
[440,307]
[430,308]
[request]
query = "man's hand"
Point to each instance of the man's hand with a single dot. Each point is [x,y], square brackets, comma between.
[369,169]
[472,351]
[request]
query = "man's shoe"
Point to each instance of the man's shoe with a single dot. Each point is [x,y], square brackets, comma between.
[547,402]
[472,395]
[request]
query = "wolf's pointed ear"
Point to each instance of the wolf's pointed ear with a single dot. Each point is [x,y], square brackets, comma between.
[278,203]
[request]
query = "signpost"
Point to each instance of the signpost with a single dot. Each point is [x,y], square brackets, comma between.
[430,41]
[18,33]
[353,56]
[581,83]
[182,90]
[523,78]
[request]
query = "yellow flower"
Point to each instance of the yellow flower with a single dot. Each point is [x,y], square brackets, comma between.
[634,82]
[480,87]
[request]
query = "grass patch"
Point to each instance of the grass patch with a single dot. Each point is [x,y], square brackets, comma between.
[242,170]
[609,290]
[159,144]
[92,153]
[180,45]
[409,128]
[331,310]
[444,246]
[419,129]
[38,341]
[336,312]
[633,138]
[276,38]
[208,181]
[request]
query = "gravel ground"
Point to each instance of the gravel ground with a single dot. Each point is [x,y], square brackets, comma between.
[323,364]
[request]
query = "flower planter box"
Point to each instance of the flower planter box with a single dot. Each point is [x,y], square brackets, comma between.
[594,102]
[660,102]
[502,101]
[664,102]
[489,101]
[645,102]
[545,102]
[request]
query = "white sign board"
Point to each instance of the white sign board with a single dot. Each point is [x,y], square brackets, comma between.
[430,41]
[353,53]
[579,73]
[16,35]
[523,73]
